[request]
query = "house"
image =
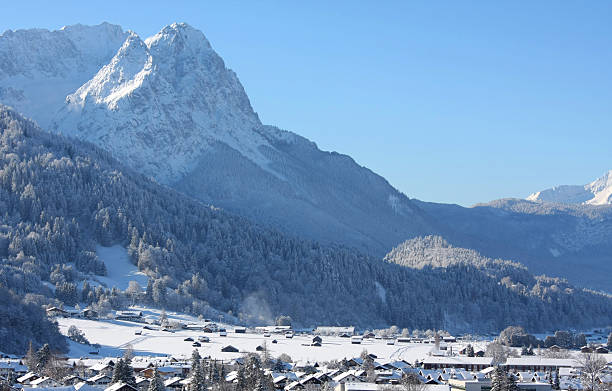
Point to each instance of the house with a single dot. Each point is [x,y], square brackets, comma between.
[467,363]
[131,316]
[99,380]
[72,380]
[355,340]
[601,350]
[311,379]
[43,382]
[316,339]
[142,383]
[88,313]
[27,378]
[296,385]
[104,366]
[229,349]
[13,367]
[240,330]
[538,363]
[485,385]
[120,387]
[260,348]
[56,311]
[347,377]
[174,383]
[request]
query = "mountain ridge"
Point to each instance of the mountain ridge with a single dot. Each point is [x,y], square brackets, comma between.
[598,192]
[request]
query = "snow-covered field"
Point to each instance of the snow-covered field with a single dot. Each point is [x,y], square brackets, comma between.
[113,336]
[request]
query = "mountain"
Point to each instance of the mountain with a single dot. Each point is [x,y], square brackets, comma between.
[63,198]
[169,108]
[39,68]
[598,192]
[570,241]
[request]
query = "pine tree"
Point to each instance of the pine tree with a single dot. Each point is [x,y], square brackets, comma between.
[31,359]
[469,350]
[43,356]
[118,371]
[128,373]
[511,383]
[156,383]
[499,379]
[198,378]
[241,379]
[195,360]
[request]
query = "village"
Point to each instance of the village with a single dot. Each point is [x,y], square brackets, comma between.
[142,349]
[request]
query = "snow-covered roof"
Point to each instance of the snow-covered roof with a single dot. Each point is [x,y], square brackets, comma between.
[541,361]
[457,360]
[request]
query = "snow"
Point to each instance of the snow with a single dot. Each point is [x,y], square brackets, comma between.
[114,336]
[42,67]
[120,271]
[147,107]
[598,192]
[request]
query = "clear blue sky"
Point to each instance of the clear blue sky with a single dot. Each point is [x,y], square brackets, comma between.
[451,101]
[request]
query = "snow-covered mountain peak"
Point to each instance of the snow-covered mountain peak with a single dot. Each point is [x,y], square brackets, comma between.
[180,36]
[39,68]
[160,104]
[598,192]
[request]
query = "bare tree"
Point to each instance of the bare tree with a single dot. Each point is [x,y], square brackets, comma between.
[592,365]
[411,382]
[498,351]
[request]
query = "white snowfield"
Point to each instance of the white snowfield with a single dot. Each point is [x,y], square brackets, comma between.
[119,270]
[114,336]
[598,192]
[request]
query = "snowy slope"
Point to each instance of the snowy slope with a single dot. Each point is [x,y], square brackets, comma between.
[39,68]
[598,192]
[119,270]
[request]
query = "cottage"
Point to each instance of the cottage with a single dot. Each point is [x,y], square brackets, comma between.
[99,380]
[27,378]
[55,311]
[347,377]
[131,316]
[356,340]
[88,313]
[43,382]
[12,367]
[120,387]
[174,383]
[229,349]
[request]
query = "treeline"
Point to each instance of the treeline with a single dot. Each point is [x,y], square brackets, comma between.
[60,197]
[22,320]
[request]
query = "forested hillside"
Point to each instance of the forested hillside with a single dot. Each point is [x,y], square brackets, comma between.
[61,197]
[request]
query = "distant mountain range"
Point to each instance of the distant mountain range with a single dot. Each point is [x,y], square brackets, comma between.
[598,192]
[169,108]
